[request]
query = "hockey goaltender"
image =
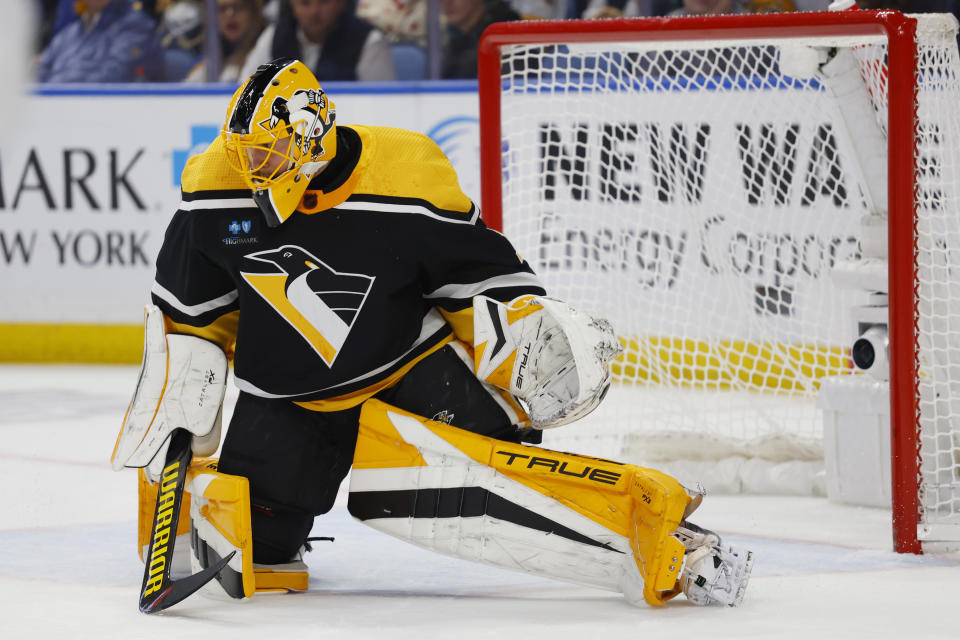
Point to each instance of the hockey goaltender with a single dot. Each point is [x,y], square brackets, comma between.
[376,323]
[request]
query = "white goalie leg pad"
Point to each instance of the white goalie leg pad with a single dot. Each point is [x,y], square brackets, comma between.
[553,514]
[181,385]
[481,515]
[550,355]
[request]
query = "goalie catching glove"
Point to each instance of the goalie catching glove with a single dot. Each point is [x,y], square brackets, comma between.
[550,355]
[181,385]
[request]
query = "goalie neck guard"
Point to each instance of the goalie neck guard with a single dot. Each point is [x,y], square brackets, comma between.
[279,133]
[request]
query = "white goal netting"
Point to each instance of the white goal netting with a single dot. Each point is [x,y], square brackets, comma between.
[701,195]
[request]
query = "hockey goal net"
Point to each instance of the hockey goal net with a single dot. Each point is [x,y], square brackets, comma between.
[722,189]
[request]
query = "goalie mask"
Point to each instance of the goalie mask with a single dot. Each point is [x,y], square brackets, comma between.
[280,133]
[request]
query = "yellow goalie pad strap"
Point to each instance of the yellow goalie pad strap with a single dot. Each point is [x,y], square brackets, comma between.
[642,505]
[659,502]
[269,580]
[220,508]
[225,506]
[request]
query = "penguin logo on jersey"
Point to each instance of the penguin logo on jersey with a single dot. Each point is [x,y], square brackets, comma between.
[320,303]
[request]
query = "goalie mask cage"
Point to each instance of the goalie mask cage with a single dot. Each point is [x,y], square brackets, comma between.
[740,220]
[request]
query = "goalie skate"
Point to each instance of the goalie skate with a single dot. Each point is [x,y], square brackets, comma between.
[713,573]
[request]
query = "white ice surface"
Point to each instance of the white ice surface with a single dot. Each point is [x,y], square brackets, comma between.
[69,568]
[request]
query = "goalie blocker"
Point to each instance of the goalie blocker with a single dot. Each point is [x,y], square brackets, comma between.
[181,386]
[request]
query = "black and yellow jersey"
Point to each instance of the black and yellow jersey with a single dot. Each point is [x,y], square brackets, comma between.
[376,269]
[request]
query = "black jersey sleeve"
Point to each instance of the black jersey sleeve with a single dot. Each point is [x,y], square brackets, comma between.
[191,288]
[464,258]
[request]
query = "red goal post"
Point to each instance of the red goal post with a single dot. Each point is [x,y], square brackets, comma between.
[899,33]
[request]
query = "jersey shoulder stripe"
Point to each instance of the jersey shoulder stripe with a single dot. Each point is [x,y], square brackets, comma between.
[415,206]
[520,279]
[244,202]
[215,194]
[219,303]
[405,164]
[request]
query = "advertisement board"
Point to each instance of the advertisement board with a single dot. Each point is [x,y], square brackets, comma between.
[738,202]
[89,179]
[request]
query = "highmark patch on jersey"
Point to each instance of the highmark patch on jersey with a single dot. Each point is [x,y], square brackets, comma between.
[318,301]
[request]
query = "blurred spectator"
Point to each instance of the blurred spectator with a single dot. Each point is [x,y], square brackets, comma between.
[705,7]
[326,35]
[271,10]
[769,6]
[542,9]
[239,23]
[635,8]
[811,5]
[56,14]
[590,9]
[466,20]
[181,36]
[403,21]
[48,18]
[113,41]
